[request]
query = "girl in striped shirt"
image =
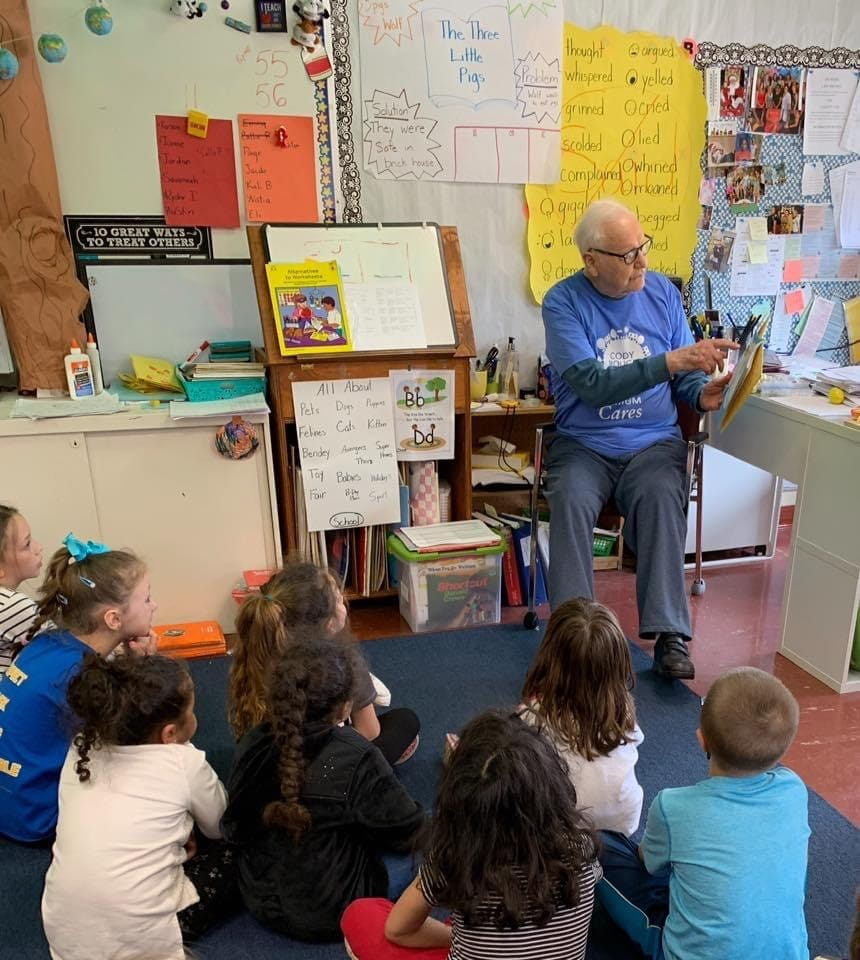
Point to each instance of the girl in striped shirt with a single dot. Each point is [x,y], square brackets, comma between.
[507,852]
[20,560]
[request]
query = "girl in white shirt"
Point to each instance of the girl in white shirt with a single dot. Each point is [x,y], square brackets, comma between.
[578,692]
[125,883]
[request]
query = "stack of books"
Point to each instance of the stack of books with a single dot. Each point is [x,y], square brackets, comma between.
[218,370]
[191,641]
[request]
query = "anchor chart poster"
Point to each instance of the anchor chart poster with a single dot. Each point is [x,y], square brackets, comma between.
[423,403]
[458,92]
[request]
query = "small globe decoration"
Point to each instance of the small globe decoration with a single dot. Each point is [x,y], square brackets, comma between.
[8,65]
[98,20]
[52,47]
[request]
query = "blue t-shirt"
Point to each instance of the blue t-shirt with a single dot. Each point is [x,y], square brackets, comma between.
[583,324]
[737,851]
[36,733]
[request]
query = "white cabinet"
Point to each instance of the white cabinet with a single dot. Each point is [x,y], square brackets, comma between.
[157,486]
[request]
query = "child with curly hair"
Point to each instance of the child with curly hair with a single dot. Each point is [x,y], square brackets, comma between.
[126,880]
[507,852]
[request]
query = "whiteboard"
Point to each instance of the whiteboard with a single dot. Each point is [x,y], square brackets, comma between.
[376,253]
[103,98]
[167,309]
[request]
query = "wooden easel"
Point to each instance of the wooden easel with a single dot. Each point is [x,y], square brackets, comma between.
[283,371]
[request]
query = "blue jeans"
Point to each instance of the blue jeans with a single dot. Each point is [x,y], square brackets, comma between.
[402,868]
[636,900]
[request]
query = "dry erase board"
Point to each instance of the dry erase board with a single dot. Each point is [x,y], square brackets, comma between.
[103,98]
[376,253]
[166,309]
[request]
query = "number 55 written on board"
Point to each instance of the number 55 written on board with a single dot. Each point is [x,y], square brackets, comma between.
[272,58]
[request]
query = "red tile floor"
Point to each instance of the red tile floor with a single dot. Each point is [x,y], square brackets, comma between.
[735,623]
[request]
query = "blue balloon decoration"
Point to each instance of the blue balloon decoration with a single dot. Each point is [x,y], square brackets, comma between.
[52,47]
[98,20]
[8,65]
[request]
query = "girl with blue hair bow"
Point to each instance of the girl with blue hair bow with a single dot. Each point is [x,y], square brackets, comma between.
[92,599]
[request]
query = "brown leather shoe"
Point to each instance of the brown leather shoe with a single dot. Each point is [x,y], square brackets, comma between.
[672,658]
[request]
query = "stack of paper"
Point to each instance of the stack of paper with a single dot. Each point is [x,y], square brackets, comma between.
[150,374]
[459,535]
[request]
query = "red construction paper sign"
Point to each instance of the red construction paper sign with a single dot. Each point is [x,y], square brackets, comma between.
[795,302]
[792,271]
[198,177]
[278,168]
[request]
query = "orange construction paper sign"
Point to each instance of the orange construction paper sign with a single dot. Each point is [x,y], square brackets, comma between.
[794,302]
[792,271]
[278,168]
[198,177]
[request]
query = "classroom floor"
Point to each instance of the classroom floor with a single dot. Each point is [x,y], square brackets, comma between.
[735,623]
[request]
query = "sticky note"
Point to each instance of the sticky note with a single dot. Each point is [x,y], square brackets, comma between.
[792,271]
[758,232]
[757,252]
[198,124]
[794,302]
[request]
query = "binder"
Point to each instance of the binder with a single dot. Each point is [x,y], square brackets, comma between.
[522,543]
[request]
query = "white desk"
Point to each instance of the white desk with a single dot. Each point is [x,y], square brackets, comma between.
[790,438]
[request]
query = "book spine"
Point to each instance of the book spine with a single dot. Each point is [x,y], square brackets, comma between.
[510,576]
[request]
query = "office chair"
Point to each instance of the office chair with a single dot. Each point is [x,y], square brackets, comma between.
[692,424]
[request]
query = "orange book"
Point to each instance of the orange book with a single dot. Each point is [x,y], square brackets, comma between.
[202,638]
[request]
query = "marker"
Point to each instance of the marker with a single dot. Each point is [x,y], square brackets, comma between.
[237,24]
[195,354]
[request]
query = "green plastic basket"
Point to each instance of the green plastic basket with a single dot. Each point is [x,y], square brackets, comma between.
[603,546]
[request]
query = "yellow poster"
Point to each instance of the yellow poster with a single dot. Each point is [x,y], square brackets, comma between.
[633,129]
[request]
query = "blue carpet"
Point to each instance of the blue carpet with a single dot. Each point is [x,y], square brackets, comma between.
[447,678]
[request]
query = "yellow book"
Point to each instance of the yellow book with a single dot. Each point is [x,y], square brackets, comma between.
[308,307]
[155,372]
[852,325]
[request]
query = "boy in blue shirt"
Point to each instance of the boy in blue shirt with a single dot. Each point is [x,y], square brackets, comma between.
[725,858]
[621,353]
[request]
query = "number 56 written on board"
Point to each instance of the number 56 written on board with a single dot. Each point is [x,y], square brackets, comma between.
[267,94]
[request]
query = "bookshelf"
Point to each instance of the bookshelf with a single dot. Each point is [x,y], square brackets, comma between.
[282,372]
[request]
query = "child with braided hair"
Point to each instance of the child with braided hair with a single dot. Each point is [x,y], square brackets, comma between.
[313,804]
[135,886]
[304,596]
[94,598]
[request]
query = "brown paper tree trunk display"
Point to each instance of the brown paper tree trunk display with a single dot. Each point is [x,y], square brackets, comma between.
[40,297]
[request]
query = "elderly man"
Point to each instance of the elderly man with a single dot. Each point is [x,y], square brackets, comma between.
[621,353]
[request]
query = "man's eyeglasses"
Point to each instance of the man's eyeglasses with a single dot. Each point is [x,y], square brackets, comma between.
[630,257]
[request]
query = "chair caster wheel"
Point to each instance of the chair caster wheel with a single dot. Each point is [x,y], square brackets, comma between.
[698,588]
[531,621]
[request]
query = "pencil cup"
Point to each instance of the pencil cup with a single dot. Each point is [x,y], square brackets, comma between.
[478,384]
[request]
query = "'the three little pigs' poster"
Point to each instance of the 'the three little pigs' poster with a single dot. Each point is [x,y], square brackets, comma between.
[423,414]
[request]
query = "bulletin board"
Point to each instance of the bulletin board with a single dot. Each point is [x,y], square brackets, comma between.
[103,98]
[786,149]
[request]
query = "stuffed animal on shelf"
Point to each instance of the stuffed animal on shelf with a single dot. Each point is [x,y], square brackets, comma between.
[190,9]
[311,13]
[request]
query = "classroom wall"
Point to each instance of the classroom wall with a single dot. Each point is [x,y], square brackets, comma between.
[492,218]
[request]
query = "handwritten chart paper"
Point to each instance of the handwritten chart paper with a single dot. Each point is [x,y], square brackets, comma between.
[423,414]
[633,119]
[345,431]
[198,177]
[476,95]
[278,168]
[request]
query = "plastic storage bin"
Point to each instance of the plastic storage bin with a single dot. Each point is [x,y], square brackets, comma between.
[225,389]
[460,588]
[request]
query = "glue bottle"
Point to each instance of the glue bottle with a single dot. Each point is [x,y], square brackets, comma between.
[95,363]
[79,374]
[509,373]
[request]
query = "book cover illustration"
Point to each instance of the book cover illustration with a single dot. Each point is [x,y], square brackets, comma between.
[309,308]
[463,593]
[423,414]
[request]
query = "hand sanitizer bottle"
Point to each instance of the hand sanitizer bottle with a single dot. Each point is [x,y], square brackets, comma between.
[79,375]
[509,373]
